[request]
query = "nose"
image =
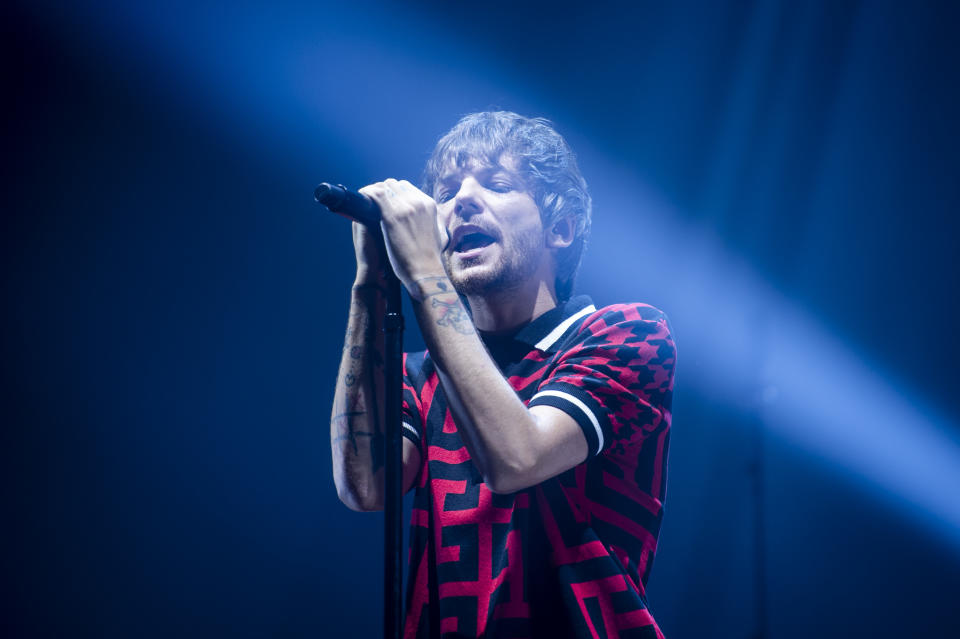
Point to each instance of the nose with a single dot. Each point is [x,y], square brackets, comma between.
[466,202]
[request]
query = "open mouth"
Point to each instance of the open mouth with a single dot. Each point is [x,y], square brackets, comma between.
[472,241]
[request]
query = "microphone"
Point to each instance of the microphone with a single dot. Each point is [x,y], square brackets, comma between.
[350,204]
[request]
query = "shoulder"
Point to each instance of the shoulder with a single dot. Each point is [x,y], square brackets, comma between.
[629,311]
[626,321]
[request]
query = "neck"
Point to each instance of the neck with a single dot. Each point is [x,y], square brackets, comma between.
[502,311]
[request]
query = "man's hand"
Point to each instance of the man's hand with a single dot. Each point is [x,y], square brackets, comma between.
[414,238]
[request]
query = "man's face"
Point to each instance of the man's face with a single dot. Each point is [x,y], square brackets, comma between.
[496,235]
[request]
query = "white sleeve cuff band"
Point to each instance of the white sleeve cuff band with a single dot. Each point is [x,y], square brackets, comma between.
[583,407]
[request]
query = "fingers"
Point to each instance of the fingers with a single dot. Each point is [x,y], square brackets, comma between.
[381,191]
[391,191]
[414,240]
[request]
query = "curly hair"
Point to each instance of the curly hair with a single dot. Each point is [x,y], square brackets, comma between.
[545,163]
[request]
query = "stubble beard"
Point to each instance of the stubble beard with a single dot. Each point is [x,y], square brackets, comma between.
[512,269]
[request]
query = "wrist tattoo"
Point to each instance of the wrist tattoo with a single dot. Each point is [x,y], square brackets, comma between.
[434,285]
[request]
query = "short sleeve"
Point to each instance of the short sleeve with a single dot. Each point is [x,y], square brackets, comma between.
[411,412]
[615,377]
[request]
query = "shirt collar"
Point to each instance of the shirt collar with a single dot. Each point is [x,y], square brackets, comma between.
[544,333]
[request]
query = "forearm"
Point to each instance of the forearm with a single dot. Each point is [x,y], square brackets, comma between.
[501,435]
[356,425]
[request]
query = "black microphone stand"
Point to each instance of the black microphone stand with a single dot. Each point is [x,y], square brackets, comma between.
[344,202]
[393,481]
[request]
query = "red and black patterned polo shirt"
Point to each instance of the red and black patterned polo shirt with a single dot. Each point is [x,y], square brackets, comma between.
[569,557]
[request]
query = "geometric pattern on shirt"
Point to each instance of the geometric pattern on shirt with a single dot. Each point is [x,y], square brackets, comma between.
[569,557]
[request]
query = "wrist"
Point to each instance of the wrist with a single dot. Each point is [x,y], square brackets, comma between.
[430,285]
[370,278]
[366,288]
[424,271]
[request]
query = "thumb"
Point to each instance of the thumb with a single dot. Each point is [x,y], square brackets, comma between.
[443,235]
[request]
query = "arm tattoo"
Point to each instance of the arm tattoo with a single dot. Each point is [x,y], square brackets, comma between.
[430,286]
[348,435]
[356,418]
[453,314]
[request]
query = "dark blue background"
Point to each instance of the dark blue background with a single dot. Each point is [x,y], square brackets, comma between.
[780,178]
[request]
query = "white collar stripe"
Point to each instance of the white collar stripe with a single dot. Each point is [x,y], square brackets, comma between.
[556,333]
[412,430]
[583,407]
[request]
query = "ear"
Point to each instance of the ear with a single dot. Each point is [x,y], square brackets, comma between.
[560,233]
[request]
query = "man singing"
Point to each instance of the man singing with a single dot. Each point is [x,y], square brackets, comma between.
[536,426]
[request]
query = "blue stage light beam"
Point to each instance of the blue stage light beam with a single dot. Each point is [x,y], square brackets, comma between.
[746,344]
[299,80]
[271,77]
